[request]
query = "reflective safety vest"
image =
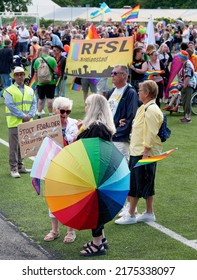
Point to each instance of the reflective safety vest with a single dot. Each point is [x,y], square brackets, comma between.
[22,101]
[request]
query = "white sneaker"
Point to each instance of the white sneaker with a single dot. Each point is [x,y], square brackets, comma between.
[126,220]
[15,174]
[124,210]
[42,113]
[146,217]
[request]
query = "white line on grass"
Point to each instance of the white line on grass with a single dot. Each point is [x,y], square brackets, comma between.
[172,234]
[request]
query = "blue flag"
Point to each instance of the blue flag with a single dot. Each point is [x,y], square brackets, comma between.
[103,10]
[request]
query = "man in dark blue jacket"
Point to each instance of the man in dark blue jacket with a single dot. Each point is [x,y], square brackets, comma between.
[123,101]
[6,58]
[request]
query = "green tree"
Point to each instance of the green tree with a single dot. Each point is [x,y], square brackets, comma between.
[14,5]
[151,4]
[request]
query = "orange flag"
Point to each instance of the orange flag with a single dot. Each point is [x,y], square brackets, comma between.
[92,33]
[13,23]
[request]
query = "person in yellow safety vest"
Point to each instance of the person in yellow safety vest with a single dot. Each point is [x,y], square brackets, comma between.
[21,106]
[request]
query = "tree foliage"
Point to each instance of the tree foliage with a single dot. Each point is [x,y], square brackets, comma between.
[151,4]
[14,5]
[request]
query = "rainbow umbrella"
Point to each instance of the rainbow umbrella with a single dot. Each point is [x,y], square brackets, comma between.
[87,183]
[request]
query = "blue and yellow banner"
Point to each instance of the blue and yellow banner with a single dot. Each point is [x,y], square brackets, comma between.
[96,58]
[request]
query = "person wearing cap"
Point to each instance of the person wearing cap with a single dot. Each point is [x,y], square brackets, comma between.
[20,102]
[60,89]
[33,50]
[187,82]
[6,58]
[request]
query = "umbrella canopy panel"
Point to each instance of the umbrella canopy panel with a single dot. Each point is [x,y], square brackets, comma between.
[87,183]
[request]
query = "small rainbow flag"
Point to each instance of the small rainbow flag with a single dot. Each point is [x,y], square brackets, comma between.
[149,160]
[173,88]
[150,73]
[32,83]
[131,14]
[74,85]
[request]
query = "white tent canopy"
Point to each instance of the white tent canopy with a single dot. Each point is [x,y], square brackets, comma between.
[49,10]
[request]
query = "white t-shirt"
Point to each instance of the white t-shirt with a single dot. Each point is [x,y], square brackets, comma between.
[71,130]
[115,99]
[22,34]
[186,34]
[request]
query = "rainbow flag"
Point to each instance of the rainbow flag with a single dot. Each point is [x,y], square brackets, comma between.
[131,14]
[150,73]
[32,82]
[173,88]
[149,160]
[92,33]
[74,85]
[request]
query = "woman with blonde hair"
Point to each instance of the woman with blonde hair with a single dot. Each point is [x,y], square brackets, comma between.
[98,122]
[144,143]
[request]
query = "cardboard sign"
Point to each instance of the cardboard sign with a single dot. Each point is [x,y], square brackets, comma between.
[96,58]
[31,134]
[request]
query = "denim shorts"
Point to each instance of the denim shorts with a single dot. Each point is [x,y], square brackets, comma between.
[142,179]
[23,46]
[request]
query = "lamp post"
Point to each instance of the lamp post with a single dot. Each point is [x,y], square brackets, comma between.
[87,6]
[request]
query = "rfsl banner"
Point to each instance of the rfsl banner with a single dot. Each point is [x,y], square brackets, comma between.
[96,58]
[31,134]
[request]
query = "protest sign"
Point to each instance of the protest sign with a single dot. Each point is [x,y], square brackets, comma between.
[31,134]
[96,58]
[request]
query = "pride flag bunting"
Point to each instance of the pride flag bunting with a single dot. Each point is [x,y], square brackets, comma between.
[131,14]
[154,158]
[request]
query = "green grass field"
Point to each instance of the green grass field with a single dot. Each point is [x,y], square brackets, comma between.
[175,203]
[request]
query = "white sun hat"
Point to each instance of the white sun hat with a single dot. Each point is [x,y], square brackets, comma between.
[18,69]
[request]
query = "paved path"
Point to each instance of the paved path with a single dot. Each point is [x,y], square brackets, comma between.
[17,246]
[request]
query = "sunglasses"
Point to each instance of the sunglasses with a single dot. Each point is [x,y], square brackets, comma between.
[116,73]
[62,111]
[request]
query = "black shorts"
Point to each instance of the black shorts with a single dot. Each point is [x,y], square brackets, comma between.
[142,179]
[47,91]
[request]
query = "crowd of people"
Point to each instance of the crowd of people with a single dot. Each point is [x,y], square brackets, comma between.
[128,114]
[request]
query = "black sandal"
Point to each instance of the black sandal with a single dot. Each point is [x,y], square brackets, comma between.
[100,250]
[104,243]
